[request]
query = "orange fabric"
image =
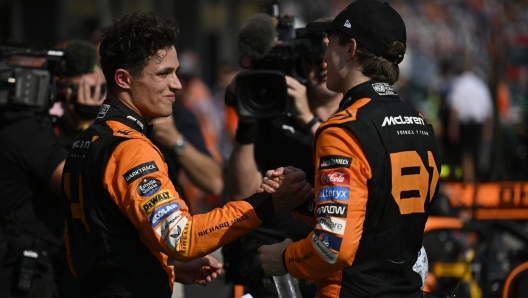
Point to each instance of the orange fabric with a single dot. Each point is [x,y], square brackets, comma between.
[313,264]
[503,99]
[186,237]
[231,121]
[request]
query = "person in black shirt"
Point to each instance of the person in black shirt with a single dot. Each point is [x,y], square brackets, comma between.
[34,148]
[264,150]
[31,222]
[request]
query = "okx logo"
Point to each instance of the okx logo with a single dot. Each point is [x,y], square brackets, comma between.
[333,193]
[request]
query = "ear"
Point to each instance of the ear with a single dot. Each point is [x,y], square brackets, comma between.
[351,49]
[122,78]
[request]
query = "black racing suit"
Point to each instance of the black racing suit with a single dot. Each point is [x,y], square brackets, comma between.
[377,171]
[124,217]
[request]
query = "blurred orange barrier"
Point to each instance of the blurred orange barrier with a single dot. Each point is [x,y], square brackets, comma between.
[511,276]
[494,200]
[440,222]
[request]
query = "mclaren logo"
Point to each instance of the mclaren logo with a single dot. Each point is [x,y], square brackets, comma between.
[402,120]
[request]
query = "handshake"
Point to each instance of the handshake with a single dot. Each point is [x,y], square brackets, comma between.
[288,187]
[284,180]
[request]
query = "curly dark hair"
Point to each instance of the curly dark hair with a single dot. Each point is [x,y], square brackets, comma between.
[133,40]
[373,66]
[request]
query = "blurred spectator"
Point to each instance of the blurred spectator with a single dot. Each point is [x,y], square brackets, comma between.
[227,115]
[197,97]
[471,111]
[181,142]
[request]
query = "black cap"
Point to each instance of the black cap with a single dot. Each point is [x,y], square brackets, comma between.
[373,24]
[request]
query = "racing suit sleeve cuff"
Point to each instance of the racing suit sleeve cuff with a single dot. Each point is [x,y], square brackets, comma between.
[262,203]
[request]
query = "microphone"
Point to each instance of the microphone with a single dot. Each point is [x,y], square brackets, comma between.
[80,58]
[256,37]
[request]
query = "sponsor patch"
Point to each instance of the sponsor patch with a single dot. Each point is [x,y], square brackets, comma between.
[103,110]
[155,200]
[175,234]
[334,161]
[335,210]
[301,259]
[140,171]
[329,256]
[183,247]
[162,212]
[384,89]
[332,224]
[331,241]
[333,193]
[148,186]
[335,177]
[169,223]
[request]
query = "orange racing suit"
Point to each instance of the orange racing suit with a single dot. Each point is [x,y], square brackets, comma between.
[376,163]
[124,217]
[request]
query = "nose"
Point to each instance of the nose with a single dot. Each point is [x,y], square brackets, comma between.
[175,83]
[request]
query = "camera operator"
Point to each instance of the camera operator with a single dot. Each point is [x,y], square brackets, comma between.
[82,93]
[31,223]
[260,145]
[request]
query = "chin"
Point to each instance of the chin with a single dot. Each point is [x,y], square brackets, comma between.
[330,87]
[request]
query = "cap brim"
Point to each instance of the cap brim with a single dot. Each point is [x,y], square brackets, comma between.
[319,26]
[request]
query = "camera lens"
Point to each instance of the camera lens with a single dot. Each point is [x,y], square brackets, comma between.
[263,94]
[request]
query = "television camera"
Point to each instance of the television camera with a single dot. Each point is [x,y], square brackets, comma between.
[28,89]
[271,48]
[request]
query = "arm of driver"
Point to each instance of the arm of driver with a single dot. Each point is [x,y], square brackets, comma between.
[162,218]
[318,258]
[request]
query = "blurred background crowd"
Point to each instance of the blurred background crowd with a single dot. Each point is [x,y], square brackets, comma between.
[445,38]
[465,70]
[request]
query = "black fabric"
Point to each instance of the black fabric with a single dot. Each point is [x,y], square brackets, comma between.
[30,217]
[390,241]
[470,140]
[262,204]
[28,156]
[188,126]
[273,136]
[246,132]
[107,265]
